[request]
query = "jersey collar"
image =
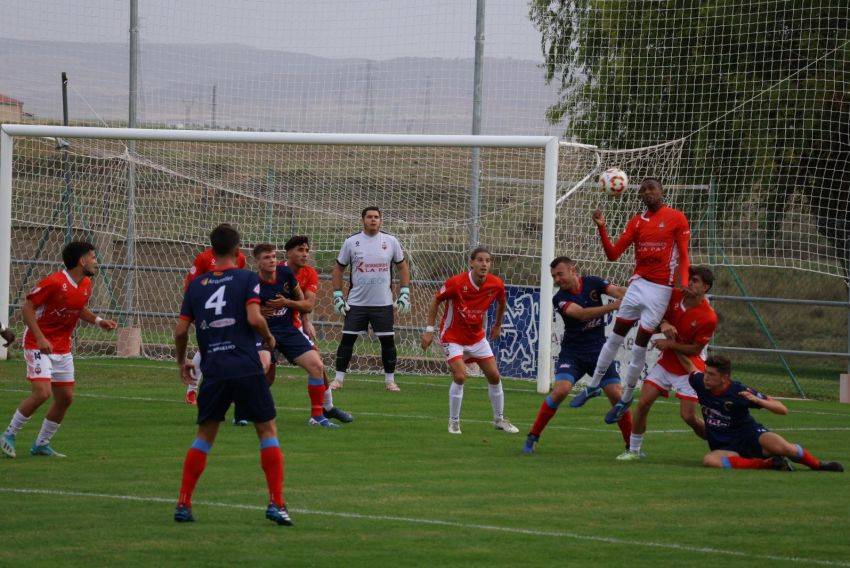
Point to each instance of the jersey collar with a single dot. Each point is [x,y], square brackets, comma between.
[472,280]
[70,280]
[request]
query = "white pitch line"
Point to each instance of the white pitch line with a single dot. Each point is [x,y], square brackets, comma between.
[454,524]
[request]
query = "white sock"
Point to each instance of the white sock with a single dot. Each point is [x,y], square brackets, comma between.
[635,441]
[636,363]
[48,429]
[389,378]
[18,422]
[329,399]
[339,377]
[196,361]
[609,351]
[497,400]
[455,400]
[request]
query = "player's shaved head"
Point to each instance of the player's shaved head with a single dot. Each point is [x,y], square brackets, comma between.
[224,240]
[74,251]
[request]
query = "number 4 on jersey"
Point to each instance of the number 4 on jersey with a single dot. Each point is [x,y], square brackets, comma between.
[216,301]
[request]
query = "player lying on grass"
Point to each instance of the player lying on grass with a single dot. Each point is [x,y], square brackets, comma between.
[579,301]
[468,296]
[736,440]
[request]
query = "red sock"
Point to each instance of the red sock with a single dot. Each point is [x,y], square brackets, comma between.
[625,425]
[271,459]
[193,467]
[316,390]
[543,417]
[804,457]
[737,462]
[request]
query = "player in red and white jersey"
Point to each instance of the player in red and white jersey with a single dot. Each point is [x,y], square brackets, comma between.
[468,296]
[203,263]
[687,326]
[660,237]
[297,258]
[50,313]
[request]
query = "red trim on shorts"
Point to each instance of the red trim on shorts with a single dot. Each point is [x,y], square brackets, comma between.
[649,331]
[624,320]
[455,358]
[686,397]
[476,360]
[39,379]
[186,318]
[663,391]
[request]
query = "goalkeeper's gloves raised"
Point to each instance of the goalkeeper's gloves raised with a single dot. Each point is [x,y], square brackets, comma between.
[340,305]
[403,300]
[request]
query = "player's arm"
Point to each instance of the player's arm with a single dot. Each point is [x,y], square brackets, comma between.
[340,305]
[297,302]
[575,311]
[686,362]
[682,240]
[615,250]
[403,300]
[258,322]
[668,329]
[31,321]
[181,340]
[496,330]
[686,349]
[87,316]
[767,403]
[428,335]
[616,292]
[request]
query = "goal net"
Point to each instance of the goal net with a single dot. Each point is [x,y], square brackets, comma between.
[67,187]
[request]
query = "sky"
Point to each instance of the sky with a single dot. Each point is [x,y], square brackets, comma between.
[372,29]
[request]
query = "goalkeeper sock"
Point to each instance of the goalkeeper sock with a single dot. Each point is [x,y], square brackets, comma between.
[329,398]
[316,391]
[737,462]
[548,408]
[339,377]
[271,458]
[804,457]
[606,355]
[193,467]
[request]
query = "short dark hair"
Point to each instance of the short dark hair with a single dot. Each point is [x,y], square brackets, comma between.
[705,274]
[263,248]
[366,210]
[652,180]
[478,250]
[562,260]
[296,242]
[74,251]
[721,363]
[224,239]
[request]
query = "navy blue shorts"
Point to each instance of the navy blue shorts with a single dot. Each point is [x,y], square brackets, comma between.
[250,393]
[573,366]
[292,343]
[745,444]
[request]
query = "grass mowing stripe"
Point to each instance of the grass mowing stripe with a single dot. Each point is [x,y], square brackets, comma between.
[455,524]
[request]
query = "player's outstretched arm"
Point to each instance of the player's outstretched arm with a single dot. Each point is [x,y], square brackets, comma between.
[682,241]
[615,250]
[428,334]
[577,312]
[767,403]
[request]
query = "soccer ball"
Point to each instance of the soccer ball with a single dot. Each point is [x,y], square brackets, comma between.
[613,181]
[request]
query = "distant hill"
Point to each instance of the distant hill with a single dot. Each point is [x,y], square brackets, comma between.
[274,90]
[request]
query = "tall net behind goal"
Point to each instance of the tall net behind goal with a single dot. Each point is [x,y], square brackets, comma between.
[270,192]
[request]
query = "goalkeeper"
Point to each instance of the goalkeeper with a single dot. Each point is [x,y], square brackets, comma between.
[371,254]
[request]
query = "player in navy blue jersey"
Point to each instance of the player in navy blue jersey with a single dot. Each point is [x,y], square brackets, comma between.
[579,301]
[736,440]
[281,297]
[225,306]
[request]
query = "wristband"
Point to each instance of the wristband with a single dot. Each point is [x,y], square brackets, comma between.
[97,320]
[429,329]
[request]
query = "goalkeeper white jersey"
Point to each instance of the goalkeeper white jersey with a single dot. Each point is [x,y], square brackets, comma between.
[371,260]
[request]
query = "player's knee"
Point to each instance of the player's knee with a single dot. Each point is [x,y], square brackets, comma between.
[459,377]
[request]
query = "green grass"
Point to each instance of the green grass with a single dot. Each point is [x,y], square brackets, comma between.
[394,488]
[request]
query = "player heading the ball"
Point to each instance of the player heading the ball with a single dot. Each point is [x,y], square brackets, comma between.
[660,237]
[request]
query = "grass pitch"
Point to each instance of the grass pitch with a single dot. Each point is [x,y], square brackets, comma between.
[394,488]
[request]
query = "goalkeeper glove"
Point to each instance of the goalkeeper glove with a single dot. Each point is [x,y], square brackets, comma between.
[403,300]
[340,305]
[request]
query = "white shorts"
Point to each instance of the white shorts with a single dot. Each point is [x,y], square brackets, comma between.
[470,353]
[645,302]
[664,381]
[54,368]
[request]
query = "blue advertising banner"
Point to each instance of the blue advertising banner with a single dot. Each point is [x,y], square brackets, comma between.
[516,348]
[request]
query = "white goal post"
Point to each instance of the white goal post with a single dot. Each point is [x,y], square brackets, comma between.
[545,206]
